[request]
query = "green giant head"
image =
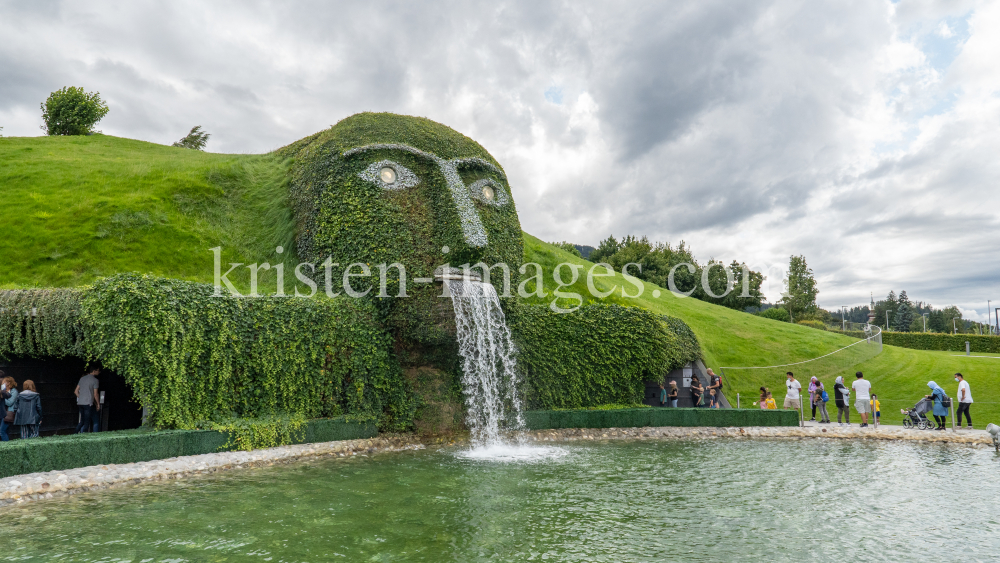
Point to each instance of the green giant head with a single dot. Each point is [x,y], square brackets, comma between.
[380,188]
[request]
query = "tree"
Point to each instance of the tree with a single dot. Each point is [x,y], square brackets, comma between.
[800,287]
[904,315]
[197,139]
[605,250]
[567,246]
[71,111]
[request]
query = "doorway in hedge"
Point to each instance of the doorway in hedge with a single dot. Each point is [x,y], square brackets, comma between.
[56,378]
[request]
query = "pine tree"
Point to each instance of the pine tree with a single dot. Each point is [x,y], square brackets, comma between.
[904,315]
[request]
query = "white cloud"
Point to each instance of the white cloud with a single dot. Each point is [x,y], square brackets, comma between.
[752,131]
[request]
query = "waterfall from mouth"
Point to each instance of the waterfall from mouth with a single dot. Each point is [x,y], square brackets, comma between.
[489,377]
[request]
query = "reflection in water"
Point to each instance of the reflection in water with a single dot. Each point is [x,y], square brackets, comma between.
[617,501]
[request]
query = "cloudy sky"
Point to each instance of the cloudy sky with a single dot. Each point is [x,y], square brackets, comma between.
[864,135]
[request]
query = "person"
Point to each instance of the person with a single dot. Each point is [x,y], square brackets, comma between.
[812,397]
[862,394]
[29,410]
[940,410]
[841,398]
[9,405]
[820,403]
[794,389]
[771,404]
[672,396]
[696,391]
[663,396]
[876,407]
[763,397]
[87,402]
[713,399]
[715,382]
[964,400]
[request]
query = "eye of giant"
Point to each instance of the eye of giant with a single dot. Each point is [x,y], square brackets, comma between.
[388,175]
[488,193]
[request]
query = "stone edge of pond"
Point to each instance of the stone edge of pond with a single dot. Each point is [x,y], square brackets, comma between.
[972,437]
[20,489]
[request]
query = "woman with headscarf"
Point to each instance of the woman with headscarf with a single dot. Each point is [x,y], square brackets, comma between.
[812,396]
[940,411]
[841,395]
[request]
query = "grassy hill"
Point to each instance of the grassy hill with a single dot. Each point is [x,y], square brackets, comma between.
[79,208]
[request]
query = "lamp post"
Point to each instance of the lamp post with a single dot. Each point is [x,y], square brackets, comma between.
[887,320]
[843,317]
[925,321]
[954,330]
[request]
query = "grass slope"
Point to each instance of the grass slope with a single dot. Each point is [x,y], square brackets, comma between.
[78,208]
[733,338]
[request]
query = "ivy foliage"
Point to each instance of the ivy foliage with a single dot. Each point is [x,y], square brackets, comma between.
[40,322]
[195,360]
[599,354]
[348,219]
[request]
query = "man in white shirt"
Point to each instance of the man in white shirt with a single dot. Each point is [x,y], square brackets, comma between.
[792,395]
[964,400]
[862,396]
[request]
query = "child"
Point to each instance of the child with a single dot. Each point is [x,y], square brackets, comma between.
[876,408]
[770,404]
[713,401]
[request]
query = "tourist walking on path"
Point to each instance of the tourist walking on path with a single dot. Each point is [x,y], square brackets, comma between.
[29,410]
[841,398]
[794,389]
[940,410]
[862,395]
[672,396]
[964,400]
[663,396]
[88,403]
[820,397]
[812,397]
[8,405]
[714,382]
[763,398]
[696,391]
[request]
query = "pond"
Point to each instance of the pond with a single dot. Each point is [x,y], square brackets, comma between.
[702,500]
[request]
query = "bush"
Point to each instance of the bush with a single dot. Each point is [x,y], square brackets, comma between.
[196,139]
[813,324]
[938,341]
[776,313]
[597,355]
[71,111]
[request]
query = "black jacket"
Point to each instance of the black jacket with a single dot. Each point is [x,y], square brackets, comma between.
[29,408]
[838,394]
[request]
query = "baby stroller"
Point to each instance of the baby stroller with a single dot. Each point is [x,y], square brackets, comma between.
[917,416]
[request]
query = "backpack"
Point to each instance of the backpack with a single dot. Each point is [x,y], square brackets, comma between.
[825,397]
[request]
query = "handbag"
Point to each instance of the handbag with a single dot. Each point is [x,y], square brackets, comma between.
[9,417]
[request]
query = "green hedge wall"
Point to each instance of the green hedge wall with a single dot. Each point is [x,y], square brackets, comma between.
[637,418]
[937,341]
[128,446]
[599,354]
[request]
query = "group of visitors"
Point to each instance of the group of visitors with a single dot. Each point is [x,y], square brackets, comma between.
[865,402]
[24,409]
[701,396]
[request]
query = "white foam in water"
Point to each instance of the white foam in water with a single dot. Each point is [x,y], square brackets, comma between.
[512,452]
[489,376]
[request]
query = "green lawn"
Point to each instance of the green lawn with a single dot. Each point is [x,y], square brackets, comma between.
[733,338]
[78,208]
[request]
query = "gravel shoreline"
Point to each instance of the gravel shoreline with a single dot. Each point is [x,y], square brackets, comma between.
[21,489]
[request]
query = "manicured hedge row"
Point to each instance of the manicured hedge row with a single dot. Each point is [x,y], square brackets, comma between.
[632,418]
[53,453]
[937,341]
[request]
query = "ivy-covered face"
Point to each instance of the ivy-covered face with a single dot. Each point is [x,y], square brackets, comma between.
[384,188]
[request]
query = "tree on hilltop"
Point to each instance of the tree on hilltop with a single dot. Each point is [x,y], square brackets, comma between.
[800,287]
[196,139]
[72,111]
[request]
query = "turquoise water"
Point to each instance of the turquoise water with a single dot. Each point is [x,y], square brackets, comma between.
[719,500]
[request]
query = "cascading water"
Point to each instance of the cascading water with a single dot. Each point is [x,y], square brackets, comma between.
[489,377]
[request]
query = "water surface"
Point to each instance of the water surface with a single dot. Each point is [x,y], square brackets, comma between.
[715,500]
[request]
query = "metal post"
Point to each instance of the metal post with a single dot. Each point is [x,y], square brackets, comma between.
[802,414]
[887,320]
[966,347]
[951,409]
[737,400]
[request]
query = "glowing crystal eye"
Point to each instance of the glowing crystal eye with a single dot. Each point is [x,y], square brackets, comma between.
[488,193]
[388,175]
